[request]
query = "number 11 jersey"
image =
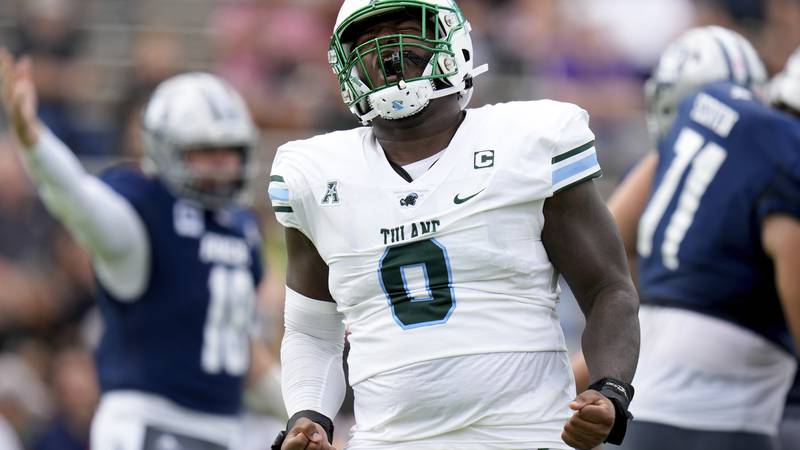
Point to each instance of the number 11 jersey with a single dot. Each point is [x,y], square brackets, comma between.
[727,163]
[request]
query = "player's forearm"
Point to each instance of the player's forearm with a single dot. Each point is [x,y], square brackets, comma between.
[789,289]
[52,164]
[311,356]
[312,374]
[101,219]
[611,338]
[628,202]
[781,240]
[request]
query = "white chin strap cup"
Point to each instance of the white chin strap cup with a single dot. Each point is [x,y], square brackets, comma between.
[407,99]
[402,101]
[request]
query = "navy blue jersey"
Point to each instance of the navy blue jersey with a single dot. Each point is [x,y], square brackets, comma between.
[187,337]
[727,163]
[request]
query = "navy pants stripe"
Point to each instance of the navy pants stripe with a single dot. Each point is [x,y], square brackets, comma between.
[654,436]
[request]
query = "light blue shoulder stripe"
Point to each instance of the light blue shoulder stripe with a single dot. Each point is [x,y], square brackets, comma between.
[279,194]
[575,168]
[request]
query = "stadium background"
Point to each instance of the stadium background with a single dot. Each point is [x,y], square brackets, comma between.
[97,60]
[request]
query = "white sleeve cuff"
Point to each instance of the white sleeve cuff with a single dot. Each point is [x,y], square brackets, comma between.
[311,356]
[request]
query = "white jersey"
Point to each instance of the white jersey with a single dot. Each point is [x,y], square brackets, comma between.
[703,373]
[496,401]
[452,263]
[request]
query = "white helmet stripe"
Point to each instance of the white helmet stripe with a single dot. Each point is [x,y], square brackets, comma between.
[725,56]
[736,65]
[740,51]
[757,69]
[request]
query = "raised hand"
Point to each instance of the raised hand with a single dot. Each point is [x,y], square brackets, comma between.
[592,421]
[19,98]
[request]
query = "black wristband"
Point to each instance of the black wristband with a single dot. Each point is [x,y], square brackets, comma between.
[620,393]
[321,419]
[278,443]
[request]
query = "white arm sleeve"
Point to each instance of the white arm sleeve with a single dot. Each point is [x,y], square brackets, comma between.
[311,356]
[98,217]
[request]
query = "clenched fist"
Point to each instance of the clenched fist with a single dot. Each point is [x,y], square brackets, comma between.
[306,435]
[19,98]
[592,421]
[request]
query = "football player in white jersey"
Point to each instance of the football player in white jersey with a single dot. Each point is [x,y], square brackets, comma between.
[436,236]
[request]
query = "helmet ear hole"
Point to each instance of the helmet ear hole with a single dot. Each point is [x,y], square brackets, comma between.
[467,56]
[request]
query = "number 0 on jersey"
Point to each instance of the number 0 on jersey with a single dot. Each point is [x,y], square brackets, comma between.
[417,282]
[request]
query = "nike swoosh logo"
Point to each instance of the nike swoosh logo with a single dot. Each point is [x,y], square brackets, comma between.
[459,201]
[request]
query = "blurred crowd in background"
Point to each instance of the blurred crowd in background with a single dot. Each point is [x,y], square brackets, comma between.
[96,61]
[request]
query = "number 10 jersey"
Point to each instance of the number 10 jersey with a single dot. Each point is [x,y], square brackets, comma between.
[452,263]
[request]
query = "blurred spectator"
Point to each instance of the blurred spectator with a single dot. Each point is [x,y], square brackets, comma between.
[45,276]
[781,33]
[76,393]
[275,52]
[49,27]
[47,31]
[24,400]
[157,56]
[638,30]
[747,16]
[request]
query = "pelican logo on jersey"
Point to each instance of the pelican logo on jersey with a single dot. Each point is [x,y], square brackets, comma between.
[331,194]
[189,221]
[409,200]
[409,231]
[484,159]
[219,249]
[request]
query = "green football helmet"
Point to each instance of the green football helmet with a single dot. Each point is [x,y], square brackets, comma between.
[445,36]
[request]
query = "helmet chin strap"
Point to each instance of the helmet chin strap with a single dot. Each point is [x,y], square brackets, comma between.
[480,70]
